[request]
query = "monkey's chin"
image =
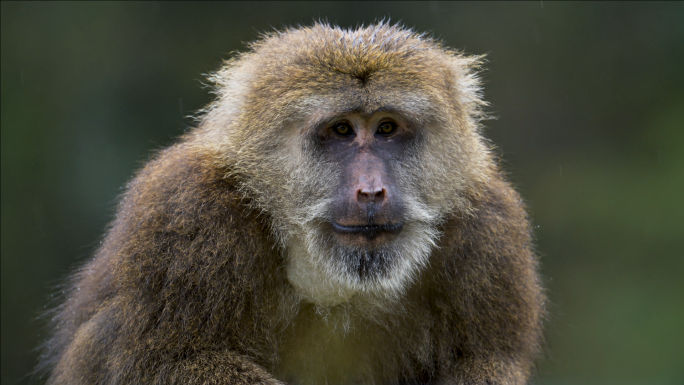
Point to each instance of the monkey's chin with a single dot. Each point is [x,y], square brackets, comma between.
[341,274]
[329,268]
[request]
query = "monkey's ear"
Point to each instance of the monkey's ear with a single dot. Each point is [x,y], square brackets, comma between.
[217,130]
[466,73]
[230,85]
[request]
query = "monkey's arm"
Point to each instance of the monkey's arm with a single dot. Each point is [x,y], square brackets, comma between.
[181,290]
[103,352]
[489,297]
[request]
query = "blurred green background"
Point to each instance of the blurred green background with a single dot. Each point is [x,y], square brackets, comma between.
[590,105]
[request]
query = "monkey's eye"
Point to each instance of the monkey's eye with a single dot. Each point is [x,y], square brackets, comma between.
[387,128]
[343,129]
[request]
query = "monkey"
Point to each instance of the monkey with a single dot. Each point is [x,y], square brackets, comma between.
[336,216]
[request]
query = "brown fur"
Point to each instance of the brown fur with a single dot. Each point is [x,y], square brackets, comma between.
[189,285]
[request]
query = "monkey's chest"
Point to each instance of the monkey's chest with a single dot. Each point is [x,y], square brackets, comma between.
[334,350]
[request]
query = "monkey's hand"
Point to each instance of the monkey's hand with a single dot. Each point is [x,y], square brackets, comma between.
[223,368]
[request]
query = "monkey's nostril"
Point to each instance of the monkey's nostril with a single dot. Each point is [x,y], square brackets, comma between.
[365,195]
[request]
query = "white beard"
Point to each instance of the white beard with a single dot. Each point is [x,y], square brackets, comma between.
[327,273]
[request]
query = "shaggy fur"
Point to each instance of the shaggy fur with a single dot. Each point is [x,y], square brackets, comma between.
[196,281]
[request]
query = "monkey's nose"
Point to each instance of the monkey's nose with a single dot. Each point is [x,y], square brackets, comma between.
[376,195]
[370,190]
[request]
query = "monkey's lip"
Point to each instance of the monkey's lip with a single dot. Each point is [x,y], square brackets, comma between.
[368,230]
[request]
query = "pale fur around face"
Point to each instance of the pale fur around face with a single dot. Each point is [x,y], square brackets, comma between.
[322,270]
[259,127]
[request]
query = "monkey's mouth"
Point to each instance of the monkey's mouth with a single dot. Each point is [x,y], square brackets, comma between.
[368,231]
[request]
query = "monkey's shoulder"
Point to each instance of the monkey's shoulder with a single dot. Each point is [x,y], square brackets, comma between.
[180,189]
[181,213]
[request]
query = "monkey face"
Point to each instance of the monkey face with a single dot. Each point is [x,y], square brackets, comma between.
[367,209]
[364,227]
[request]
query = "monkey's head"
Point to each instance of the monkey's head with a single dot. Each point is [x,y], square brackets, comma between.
[357,144]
